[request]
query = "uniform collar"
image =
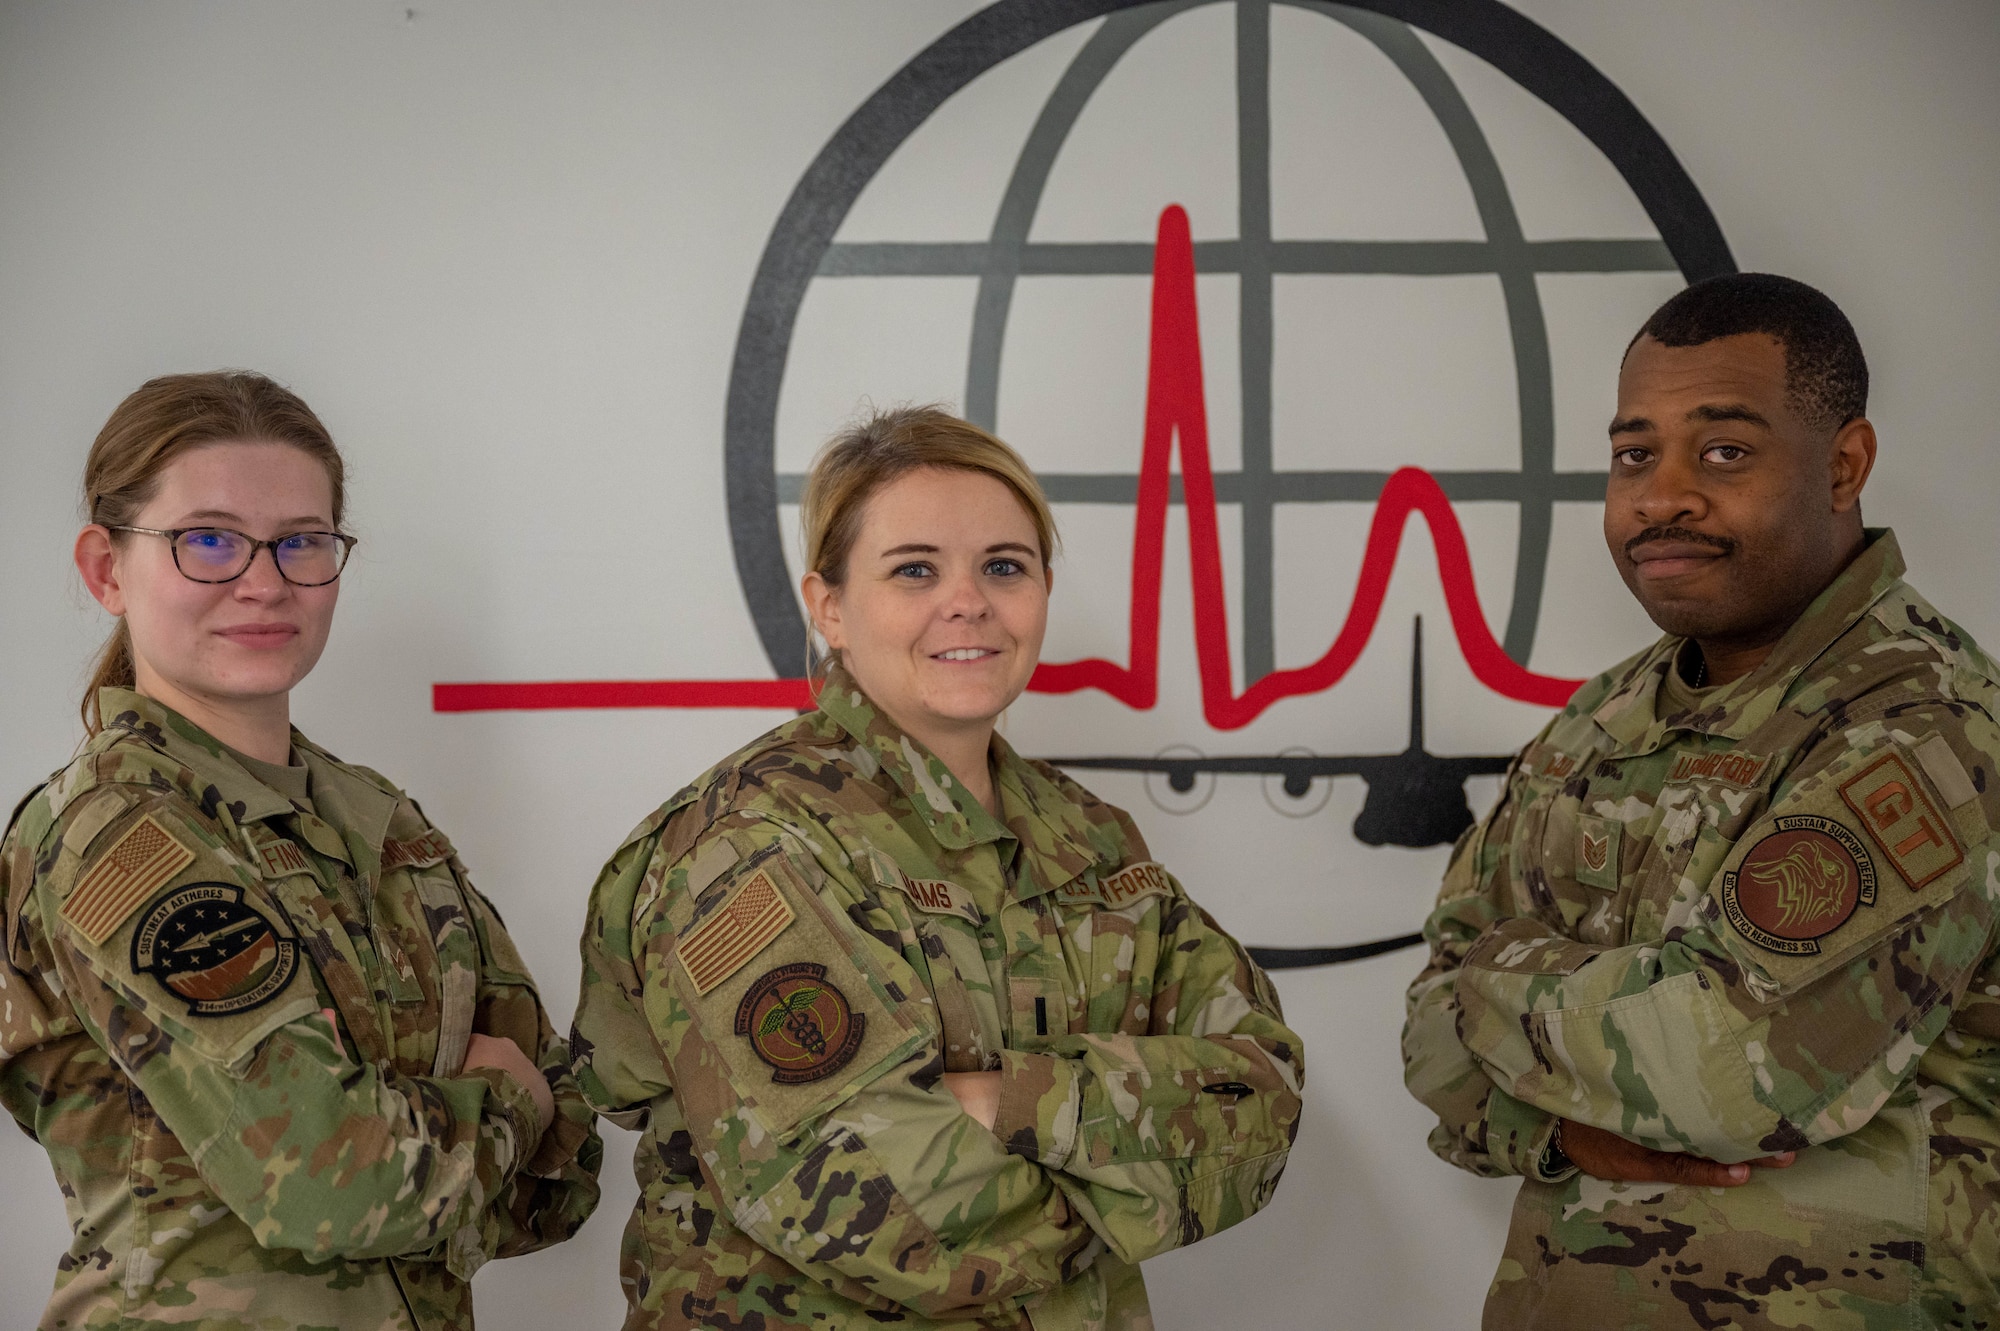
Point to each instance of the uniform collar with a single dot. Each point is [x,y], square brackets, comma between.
[359,809]
[1033,811]
[955,819]
[1045,819]
[1632,714]
[132,717]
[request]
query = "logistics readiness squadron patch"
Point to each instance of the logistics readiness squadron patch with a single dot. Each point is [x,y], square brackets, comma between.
[1799,884]
[208,945]
[800,1024]
[137,863]
[734,932]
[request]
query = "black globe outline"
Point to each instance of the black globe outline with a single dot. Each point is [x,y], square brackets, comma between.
[802,236]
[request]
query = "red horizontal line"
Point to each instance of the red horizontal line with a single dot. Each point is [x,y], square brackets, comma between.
[789,694]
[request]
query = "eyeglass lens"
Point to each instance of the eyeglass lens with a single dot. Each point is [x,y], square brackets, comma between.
[212,554]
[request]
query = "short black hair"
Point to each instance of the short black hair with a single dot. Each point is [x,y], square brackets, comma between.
[1826,376]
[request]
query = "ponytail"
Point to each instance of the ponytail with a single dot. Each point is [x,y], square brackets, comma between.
[113,671]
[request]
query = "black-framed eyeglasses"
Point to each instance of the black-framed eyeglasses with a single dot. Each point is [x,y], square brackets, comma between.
[217,554]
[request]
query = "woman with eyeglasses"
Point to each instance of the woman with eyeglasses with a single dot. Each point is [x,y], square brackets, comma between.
[918,1032]
[288,1067]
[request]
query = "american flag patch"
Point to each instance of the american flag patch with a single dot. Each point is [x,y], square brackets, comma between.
[138,862]
[738,930]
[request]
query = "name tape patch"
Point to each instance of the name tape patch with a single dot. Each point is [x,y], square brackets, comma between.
[137,863]
[282,858]
[1731,769]
[734,932]
[1900,817]
[939,897]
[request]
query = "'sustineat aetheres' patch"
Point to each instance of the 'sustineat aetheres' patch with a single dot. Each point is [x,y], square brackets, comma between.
[213,949]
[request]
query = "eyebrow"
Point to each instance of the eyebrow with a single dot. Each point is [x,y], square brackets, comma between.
[918,548]
[216,514]
[1705,412]
[1729,413]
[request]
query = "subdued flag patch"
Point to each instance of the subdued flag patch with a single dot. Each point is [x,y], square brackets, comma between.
[738,930]
[137,863]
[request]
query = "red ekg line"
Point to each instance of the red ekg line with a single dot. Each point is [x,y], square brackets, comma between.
[1176,407]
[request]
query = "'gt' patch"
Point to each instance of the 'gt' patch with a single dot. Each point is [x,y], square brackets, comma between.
[1799,884]
[799,1023]
[209,946]
[1900,816]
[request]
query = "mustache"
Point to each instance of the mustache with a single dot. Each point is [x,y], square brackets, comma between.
[1682,534]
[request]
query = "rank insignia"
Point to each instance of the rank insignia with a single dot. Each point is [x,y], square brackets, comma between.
[1899,816]
[1597,851]
[728,937]
[1798,885]
[799,1023]
[210,947]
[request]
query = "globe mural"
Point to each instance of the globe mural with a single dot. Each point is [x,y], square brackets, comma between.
[1414,797]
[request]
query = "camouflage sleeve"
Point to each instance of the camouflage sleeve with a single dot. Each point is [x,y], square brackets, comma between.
[315,1151]
[1796,989]
[619,1066]
[1481,1128]
[555,1189]
[811,1082]
[1182,1132]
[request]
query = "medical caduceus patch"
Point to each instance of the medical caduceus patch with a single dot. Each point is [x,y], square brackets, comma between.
[799,1023]
[214,949]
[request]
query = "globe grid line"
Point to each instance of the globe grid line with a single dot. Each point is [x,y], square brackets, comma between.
[1255,256]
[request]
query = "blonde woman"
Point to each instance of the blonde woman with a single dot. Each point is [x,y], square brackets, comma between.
[289,1068]
[917,1030]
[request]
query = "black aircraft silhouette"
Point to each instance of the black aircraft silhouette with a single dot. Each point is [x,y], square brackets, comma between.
[1415,798]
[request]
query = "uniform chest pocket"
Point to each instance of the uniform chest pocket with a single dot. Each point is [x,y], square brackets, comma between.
[1119,955]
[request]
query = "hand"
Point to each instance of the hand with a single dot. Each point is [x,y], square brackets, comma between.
[1606,1155]
[977,1093]
[491,1051]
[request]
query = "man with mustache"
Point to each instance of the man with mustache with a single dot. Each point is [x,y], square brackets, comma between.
[1717,976]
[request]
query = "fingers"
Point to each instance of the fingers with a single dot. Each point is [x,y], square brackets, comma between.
[1695,1171]
[1782,1160]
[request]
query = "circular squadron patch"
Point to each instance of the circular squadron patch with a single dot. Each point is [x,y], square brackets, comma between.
[1799,884]
[209,946]
[799,1023]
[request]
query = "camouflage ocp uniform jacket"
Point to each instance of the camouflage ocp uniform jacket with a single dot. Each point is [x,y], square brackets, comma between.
[1753,918]
[237,1026]
[781,963]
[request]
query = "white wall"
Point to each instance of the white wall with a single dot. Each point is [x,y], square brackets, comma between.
[503,248]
